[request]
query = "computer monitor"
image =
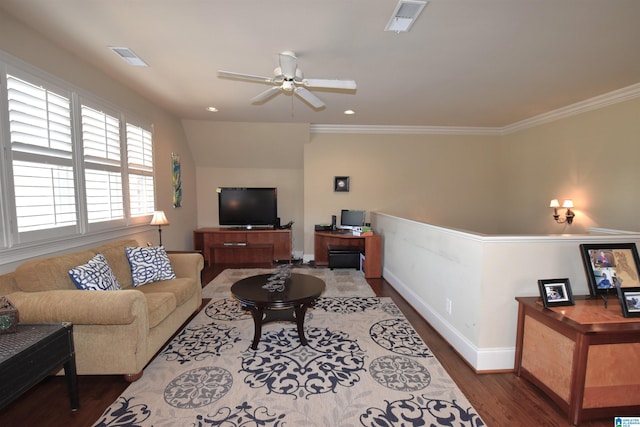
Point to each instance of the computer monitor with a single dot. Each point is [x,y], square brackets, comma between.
[351,218]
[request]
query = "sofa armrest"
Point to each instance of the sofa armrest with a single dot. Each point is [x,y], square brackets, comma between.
[188,264]
[81,307]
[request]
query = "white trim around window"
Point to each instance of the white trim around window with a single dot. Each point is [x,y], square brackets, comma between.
[65,167]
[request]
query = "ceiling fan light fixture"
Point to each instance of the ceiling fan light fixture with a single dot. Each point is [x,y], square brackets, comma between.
[404,15]
[288,85]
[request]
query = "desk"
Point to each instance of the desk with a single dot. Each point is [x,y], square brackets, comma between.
[371,246]
[32,353]
[585,357]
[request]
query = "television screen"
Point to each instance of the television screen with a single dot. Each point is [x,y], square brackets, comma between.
[351,218]
[247,206]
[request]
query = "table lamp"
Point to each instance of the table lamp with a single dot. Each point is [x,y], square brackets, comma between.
[159,219]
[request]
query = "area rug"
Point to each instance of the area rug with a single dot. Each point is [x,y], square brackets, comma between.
[364,365]
[339,282]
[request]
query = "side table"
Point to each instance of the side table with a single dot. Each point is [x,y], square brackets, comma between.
[30,354]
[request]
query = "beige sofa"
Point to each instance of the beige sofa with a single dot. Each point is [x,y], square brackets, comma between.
[115,332]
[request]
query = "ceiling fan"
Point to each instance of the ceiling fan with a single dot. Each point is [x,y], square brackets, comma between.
[289,78]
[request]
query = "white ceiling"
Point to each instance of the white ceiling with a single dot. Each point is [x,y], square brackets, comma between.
[464,62]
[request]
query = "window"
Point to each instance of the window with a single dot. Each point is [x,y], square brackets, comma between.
[72,164]
[102,165]
[41,150]
[140,168]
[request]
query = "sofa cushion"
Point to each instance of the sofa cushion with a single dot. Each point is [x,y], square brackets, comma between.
[52,273]
[117,259]
[160,306]
[149,264]
[95,275]
[181,288]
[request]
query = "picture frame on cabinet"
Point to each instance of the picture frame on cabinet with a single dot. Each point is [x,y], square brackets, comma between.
[609,266]
[629,301]
[555,292]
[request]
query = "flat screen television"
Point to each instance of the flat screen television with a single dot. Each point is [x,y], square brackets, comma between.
[247,207]
[351,218]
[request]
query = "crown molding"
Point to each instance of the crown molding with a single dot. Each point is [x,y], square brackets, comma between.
[600,101]
[406,130]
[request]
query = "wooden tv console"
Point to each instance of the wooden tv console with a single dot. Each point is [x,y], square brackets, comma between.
[242,246]
[371,246]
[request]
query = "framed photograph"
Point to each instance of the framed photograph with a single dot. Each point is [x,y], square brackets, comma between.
[556,292]
[630,301]
[341,183]
[611,266]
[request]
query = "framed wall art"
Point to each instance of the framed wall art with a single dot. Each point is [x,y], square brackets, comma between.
[176,180]
[341,183]
[555,292]
[610,266]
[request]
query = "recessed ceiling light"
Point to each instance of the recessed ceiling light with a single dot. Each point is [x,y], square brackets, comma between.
[128,55]
[212,109]
[404,15]
[349,112]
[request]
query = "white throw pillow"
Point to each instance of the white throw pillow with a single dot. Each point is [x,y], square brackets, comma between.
[149,264]
[95,275]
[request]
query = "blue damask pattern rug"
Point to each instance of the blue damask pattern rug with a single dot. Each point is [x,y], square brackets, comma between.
[364,365]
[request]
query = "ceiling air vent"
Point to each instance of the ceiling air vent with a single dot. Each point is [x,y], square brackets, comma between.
[404,15]
[128,55]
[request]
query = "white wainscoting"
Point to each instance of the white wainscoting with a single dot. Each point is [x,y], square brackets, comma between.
[478,276]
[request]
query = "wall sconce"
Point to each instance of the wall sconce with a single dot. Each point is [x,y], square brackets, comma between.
[159,219]
[568,216]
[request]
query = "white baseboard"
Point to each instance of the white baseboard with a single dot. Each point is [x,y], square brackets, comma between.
[481,359]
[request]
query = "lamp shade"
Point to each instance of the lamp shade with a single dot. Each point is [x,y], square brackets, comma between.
[568,204]
[554,203]
[159,218]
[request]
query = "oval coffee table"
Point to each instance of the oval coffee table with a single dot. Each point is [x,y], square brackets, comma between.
[271,297]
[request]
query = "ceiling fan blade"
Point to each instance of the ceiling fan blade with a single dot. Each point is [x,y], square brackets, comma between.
[310,98]
[232,75]
[330,83]
[266,95]
[288,64]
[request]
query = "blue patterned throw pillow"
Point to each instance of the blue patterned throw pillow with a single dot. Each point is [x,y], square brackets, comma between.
[149,264]
[95,275]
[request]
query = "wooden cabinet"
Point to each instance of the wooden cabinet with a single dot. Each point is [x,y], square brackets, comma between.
[371,246]
[585,357]
[229,246]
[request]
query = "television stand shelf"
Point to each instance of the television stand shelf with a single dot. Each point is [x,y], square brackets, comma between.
[249,253]
[242,246]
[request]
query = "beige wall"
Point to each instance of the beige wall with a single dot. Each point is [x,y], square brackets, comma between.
[229,154]
[591,158]
[448,179]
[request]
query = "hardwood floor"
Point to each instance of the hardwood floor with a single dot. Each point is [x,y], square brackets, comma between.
[502,400]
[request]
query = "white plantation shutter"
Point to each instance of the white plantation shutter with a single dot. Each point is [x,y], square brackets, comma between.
[140,170]
[102,165]
[41,149]
[71,164]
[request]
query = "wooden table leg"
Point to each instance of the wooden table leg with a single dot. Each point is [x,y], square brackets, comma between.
[301,311]
[258,314]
